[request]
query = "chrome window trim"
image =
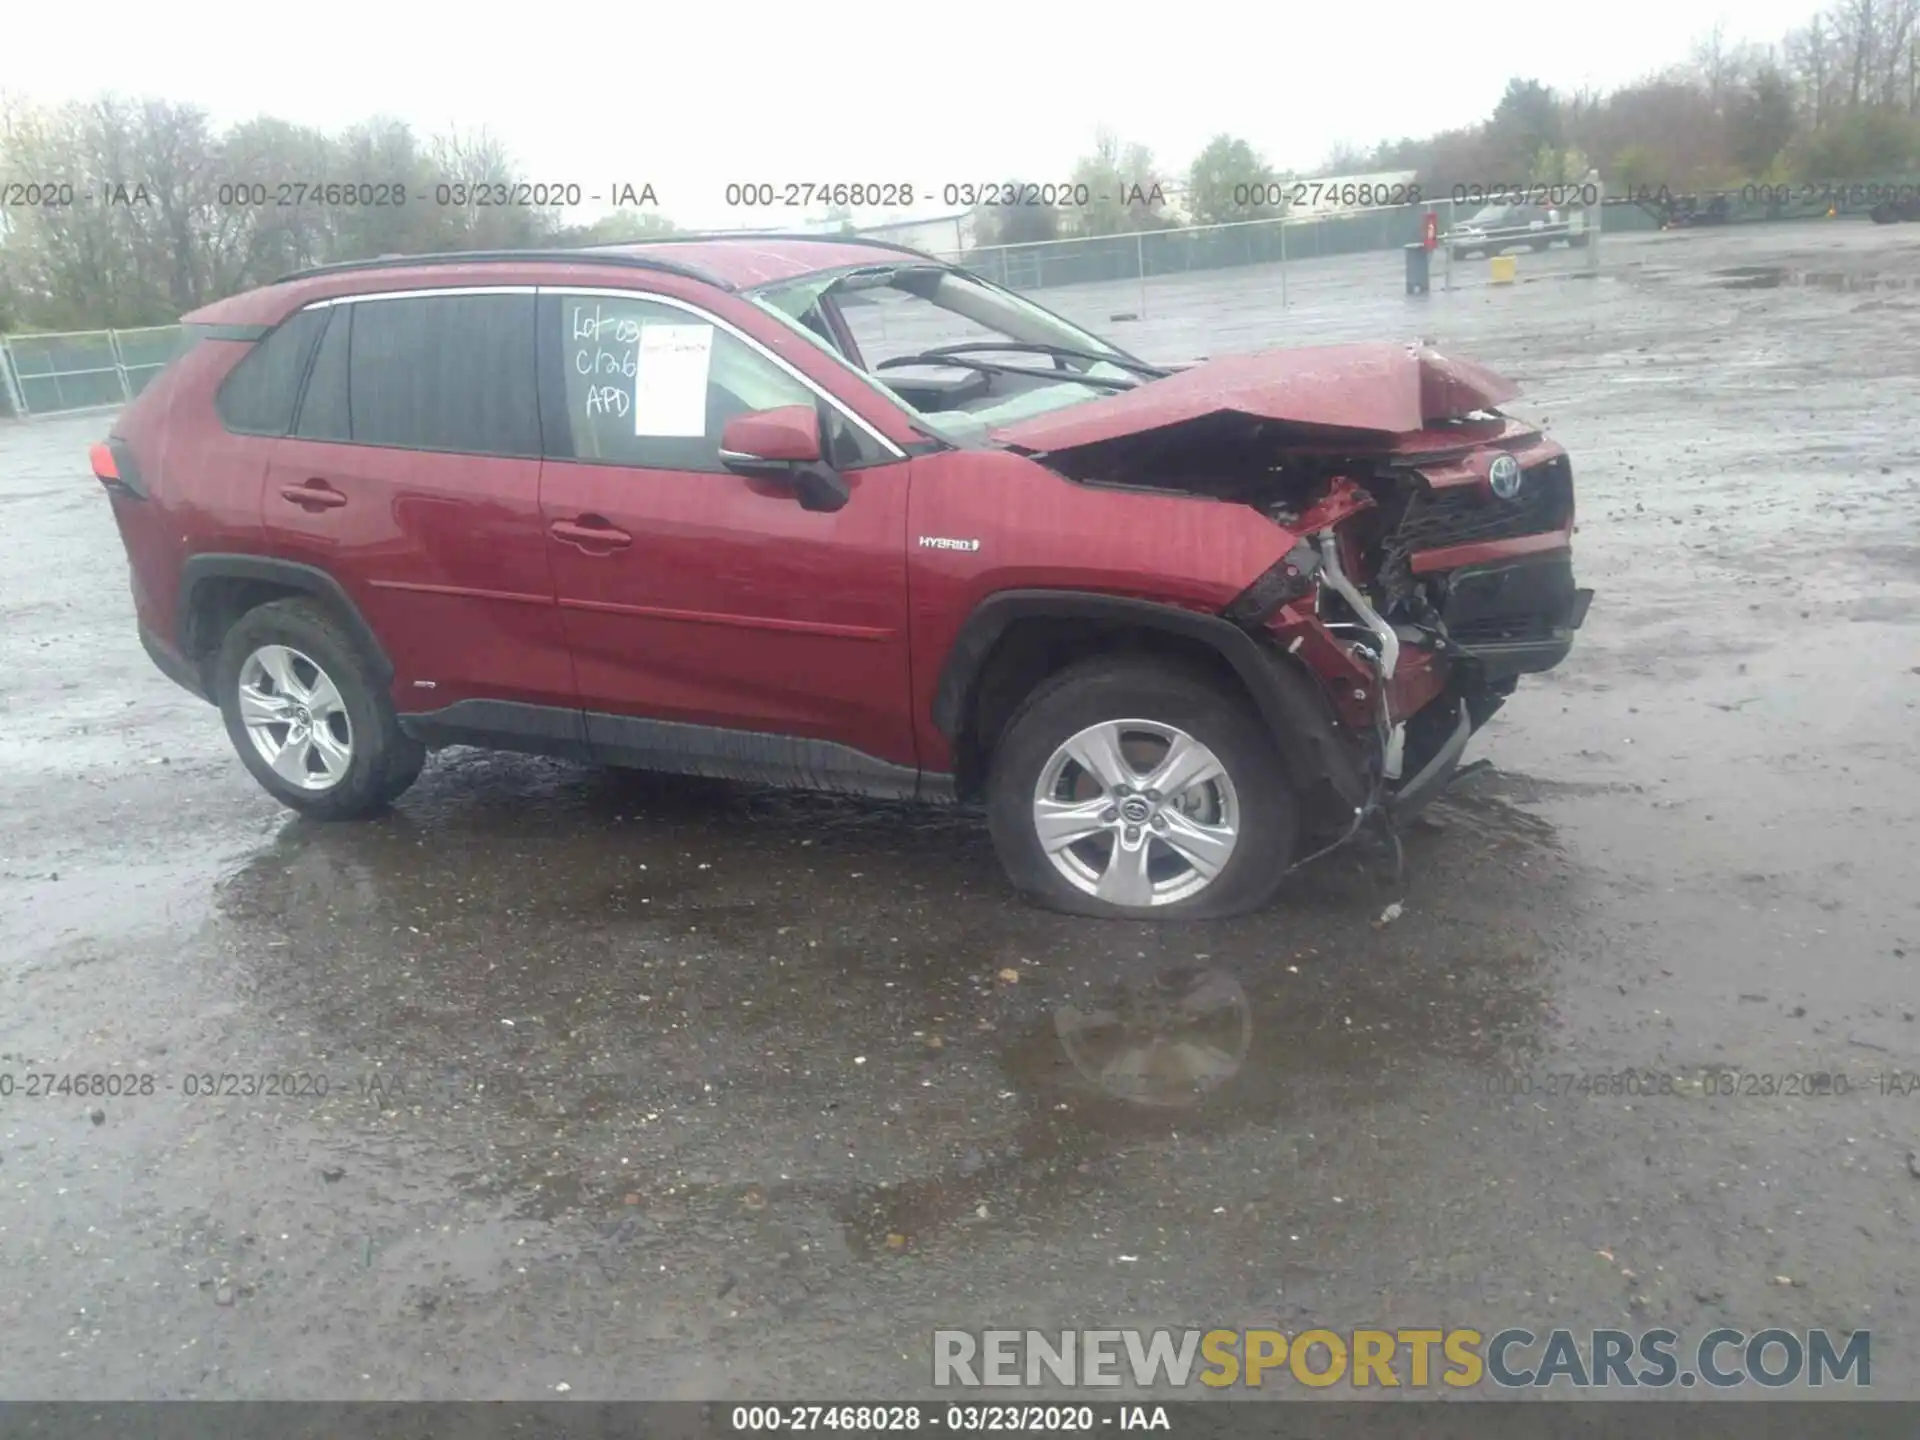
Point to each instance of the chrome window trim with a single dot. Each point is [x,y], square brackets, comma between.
[674,302]
[435,293]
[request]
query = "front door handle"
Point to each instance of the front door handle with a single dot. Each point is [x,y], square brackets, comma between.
[590,533]
[315,495]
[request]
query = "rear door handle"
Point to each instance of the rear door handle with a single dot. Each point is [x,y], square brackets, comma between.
[590,533]
[315,495]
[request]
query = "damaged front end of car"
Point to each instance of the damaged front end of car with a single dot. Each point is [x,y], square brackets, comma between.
[1419,598]
[1430,565]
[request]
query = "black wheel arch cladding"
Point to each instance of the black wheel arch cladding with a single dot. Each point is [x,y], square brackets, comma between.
[292,575]
[1287,698]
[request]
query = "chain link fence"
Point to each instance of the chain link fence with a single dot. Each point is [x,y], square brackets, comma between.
[1299,256]
[82,369]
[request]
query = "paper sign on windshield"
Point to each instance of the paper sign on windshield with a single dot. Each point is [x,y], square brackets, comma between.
[670,390]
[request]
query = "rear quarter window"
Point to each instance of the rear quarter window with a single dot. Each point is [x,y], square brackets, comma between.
[258,398]
[324,413]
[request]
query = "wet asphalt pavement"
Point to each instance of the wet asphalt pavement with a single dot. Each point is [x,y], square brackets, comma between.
[655,1088]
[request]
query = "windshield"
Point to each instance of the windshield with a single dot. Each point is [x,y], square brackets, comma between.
[960,355]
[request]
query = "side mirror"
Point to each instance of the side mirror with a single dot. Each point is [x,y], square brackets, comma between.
[764,442]
[784,444]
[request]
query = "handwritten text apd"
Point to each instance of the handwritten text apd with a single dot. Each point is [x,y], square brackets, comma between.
[606,348]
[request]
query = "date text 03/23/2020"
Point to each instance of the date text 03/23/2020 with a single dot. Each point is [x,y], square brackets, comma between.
[912,1416]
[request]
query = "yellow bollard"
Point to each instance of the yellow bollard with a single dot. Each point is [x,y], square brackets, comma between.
[1504,268]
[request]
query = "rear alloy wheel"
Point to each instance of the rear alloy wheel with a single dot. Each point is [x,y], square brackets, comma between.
[295,717]
[309,715]
[1138,789]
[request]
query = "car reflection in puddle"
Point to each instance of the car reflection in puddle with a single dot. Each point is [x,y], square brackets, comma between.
[1169,1041]
[1161,1044]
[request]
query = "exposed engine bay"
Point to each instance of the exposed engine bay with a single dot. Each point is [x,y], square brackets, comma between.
[1403,501]
[1430,571]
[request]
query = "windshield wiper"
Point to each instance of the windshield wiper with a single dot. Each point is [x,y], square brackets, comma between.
[1065,352]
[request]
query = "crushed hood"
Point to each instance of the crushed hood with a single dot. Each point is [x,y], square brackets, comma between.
[1380,387]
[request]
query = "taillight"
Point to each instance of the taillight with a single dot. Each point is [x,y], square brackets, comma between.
[114,467]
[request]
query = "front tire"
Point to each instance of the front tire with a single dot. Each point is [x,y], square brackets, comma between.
[1138,789]
[309,716]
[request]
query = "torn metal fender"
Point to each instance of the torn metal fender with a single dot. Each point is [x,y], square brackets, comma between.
[1378,387]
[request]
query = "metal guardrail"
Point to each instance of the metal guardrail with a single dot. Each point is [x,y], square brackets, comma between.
[49,374]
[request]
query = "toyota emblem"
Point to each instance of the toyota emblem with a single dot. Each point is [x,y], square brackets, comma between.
[1504,476]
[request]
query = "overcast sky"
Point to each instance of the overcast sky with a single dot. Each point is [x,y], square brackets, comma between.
[691,96]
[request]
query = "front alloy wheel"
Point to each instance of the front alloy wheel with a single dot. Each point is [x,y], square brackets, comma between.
[295,717]
[1140,788]
[1135,812]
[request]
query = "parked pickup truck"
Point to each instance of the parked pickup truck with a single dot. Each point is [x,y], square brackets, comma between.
[1494,229]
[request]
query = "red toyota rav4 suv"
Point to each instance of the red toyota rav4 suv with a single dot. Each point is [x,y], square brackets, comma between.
[829,513]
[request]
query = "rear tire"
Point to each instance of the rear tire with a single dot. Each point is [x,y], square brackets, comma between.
[309,716]
[1212,846]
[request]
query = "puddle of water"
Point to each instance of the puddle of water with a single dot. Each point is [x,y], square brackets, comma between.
[514,895]
[1775,277]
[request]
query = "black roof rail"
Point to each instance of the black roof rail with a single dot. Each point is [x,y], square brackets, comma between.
[819,239]
[590,256]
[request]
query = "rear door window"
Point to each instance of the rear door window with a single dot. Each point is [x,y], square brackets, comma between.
[452,373]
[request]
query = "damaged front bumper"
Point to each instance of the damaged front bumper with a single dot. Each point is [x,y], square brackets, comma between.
[1503,619]
[1406,698]
[1514,617]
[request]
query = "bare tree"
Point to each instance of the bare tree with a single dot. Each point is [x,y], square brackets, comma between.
[1124,187]
[1897,48]
[1855,20]
[169,214]
[1809,56]
[1713,64]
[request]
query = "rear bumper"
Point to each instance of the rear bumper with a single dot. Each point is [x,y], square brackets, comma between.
[1515,617]
[172,664]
